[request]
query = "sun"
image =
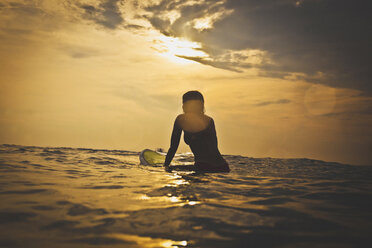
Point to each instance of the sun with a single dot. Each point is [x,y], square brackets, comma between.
[172,48]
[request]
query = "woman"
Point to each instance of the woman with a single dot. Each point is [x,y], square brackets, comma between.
[199,134]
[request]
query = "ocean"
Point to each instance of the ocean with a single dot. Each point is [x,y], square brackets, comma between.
[78,197]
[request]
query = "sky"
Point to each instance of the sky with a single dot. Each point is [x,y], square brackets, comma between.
[281,78]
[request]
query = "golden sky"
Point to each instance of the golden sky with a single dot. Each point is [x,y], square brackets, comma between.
[110,74]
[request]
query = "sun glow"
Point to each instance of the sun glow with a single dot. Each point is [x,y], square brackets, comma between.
[174,48]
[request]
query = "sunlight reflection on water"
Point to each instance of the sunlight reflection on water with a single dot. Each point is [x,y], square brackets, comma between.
[148,242]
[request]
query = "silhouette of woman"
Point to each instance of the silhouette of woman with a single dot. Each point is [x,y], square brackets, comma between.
[199,134]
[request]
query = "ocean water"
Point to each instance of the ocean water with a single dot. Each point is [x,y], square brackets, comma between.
[68,197]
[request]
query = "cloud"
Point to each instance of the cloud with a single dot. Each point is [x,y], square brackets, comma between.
[348,115]
[79,51]
[325,42]
[28,8]
[218,64]
[26,21]
[107,13]
[185,18]
[280,101]
[133,27]
[306,38]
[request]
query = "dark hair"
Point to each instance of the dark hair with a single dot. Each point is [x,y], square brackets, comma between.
[192,95]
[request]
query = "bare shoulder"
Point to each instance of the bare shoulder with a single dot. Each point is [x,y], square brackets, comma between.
[208,118]
[180,117]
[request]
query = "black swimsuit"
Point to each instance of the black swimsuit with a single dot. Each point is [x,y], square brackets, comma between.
[203,145]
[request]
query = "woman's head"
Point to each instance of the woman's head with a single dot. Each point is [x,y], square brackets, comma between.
[193,101]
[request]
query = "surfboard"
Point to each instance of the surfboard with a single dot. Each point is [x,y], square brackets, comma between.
[157,158]
[150,157]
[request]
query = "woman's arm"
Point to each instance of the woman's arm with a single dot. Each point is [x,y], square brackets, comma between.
[214,134]
[175,141]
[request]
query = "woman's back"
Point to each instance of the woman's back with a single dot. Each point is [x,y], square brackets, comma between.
[200,135]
